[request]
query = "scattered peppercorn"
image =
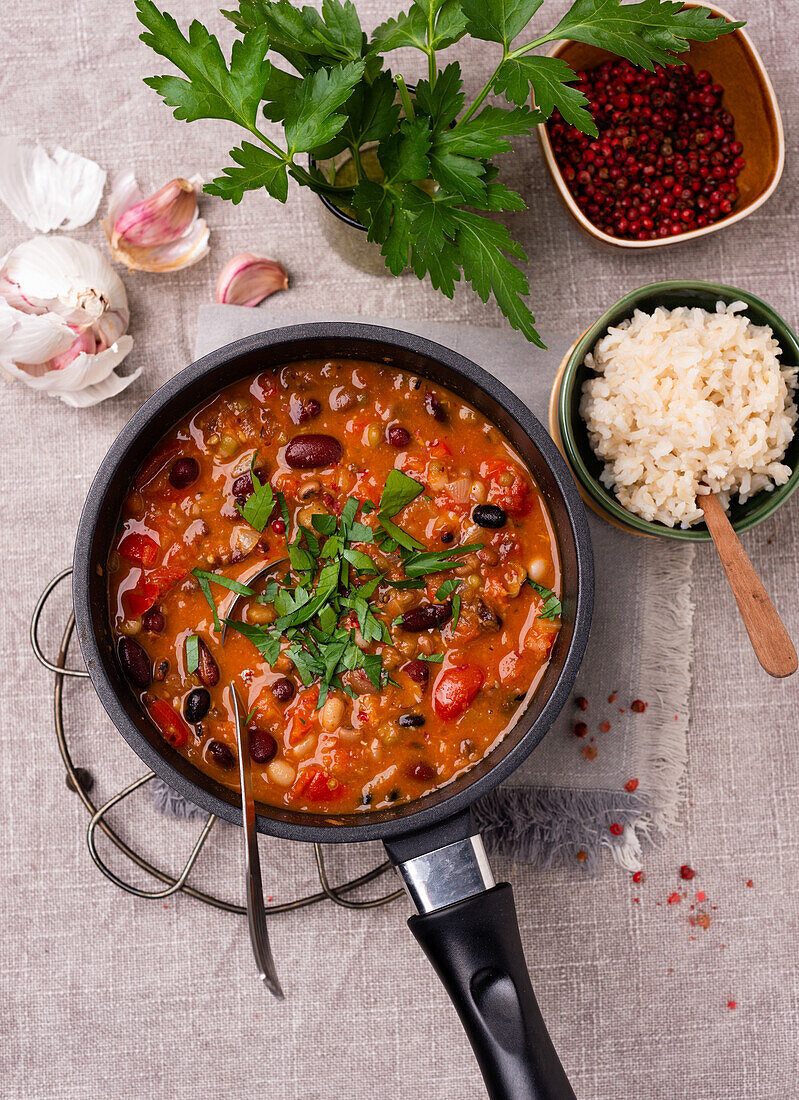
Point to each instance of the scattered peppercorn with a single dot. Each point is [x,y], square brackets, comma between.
[604,726]
[581,702]
[638,876]
[580,729]
[590,752]
[581,856]
[687,872]
[616,828]
[631,785]
[638,706]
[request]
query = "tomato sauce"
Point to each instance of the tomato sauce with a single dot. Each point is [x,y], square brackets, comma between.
[442,613]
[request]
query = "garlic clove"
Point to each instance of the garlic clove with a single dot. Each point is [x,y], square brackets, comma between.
[163,217]
[31,339]
[58,192]
[246,280]
[160,233]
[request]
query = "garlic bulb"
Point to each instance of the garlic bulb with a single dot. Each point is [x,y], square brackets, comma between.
[63,315]
[58,192]
[246,280]
[160,233]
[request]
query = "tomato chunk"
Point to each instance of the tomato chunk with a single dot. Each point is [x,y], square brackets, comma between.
[169,723]
[140,548]
[140,599]
[317,786]
[165,576]
[455,690]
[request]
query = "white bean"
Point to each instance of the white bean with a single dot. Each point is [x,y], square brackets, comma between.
[331,713]
[281,773]
[537,569]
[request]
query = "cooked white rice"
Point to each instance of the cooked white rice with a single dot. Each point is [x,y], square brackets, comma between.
[688,402]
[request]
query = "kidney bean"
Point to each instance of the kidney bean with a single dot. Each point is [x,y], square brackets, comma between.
[488,618]
[418,671]
[243,486]
[426,616]
[301,411]
[221,754]
[398,436]
[434,408]
[263,746]
[135,662]
[208,669]
[153,621]
[306,452]
[283,689]
[422,772]
[184,471]
[197,705]
[410,720]
[489,515]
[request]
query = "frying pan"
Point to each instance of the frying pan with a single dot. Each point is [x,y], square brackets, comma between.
[465,923]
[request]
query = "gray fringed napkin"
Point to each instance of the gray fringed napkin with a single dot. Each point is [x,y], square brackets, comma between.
[627,767]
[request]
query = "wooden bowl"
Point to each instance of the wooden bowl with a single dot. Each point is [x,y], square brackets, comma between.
[749,97]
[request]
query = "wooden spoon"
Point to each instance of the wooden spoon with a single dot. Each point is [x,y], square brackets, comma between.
[770,640]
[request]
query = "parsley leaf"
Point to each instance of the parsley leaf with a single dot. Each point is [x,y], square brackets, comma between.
[212,90]
[551,607]
[648,33]
[259,505]
[267,642]
[433,658]
[192,653]
[257,168]
[550,79]
[447,588]
[313,120]
[399,490]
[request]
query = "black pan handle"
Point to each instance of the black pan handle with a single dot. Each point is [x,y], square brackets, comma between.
[468,929]
[475,948]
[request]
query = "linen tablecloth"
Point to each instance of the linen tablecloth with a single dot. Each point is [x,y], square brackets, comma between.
[105,995]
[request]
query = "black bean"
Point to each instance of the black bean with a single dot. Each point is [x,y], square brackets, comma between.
[135,662]
[283,689]
[161,670]
[398,436]
[153,621]
[407,720]
[263,746]
[184,471]
[221,754]
[434,408]
[197,705]
[489,515]
[208,669]
[447,537]
[426,615]
[418,671]
[366,799]
[306,452]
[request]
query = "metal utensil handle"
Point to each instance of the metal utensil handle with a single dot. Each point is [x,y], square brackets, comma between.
[256,914]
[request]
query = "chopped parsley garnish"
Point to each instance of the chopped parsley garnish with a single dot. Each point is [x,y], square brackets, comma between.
[331,583]
[259,506]
[551,607]
[192,653]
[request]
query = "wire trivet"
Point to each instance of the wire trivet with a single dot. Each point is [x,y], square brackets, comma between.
[81,782]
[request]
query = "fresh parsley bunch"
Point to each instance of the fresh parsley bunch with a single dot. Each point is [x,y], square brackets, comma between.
[337,95]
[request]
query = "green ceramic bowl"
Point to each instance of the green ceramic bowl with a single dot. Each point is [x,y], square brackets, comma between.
[584,463]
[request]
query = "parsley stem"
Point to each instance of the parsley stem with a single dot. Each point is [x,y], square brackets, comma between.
[405,97]
[485,90]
